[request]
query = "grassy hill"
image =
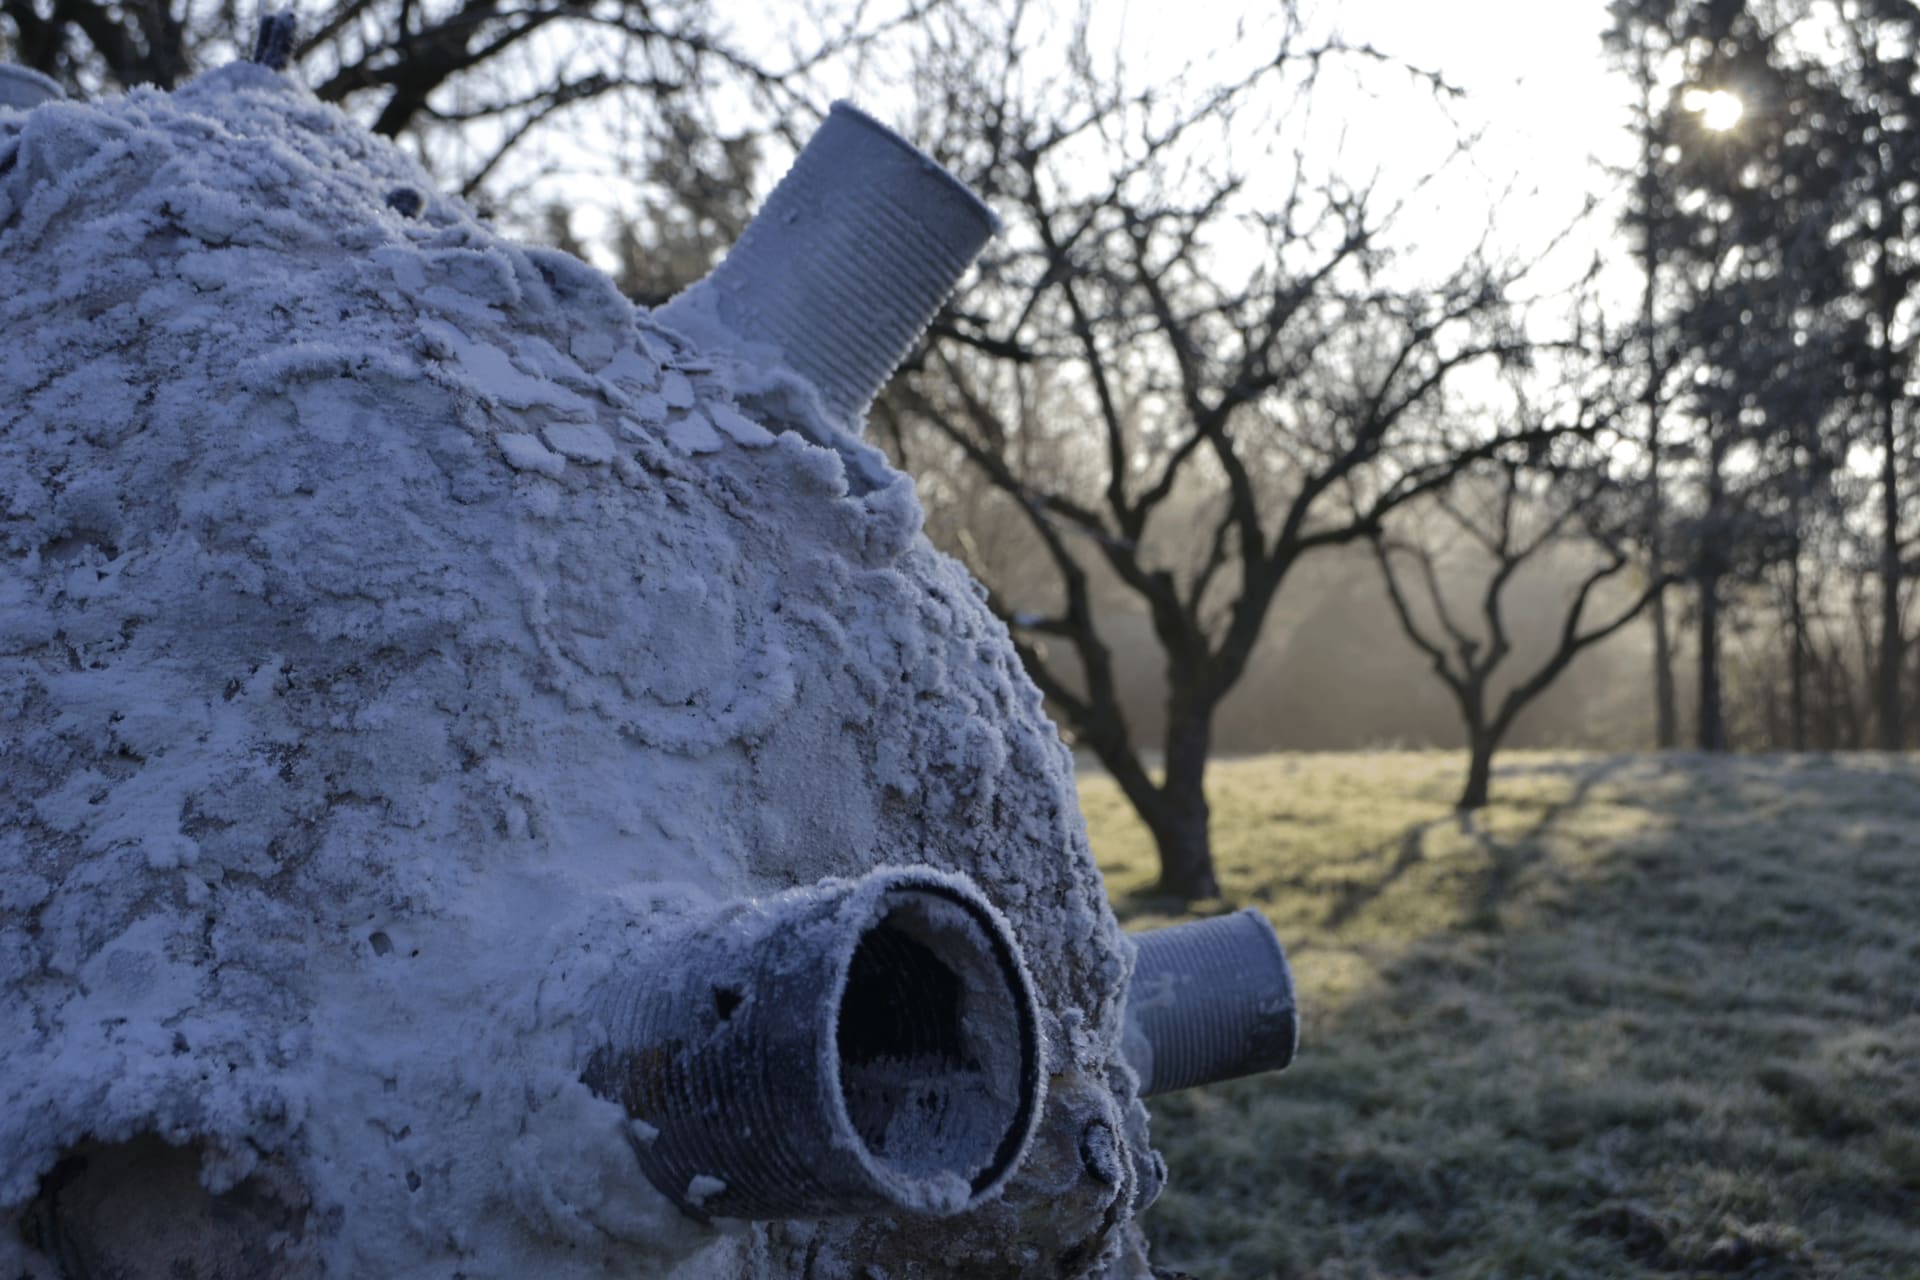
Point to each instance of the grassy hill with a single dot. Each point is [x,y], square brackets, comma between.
[1645,1016]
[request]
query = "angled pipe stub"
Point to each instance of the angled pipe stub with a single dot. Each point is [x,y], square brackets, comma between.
[22,88]
[1210,1000]
[859,1047]
[845,264]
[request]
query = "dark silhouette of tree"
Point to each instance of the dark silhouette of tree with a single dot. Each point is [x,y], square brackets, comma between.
[1567,511]
[1875,66]
[1514,517]
[693,197]
[1639,41]
[1243,375]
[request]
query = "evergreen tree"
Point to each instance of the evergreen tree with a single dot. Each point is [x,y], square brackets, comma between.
[1743,211]
[1641,41]
[1874,63]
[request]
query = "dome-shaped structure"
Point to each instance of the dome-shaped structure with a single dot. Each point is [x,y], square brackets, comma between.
[452,720]
[399,631]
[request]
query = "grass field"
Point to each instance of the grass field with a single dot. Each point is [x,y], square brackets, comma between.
[1644,1016]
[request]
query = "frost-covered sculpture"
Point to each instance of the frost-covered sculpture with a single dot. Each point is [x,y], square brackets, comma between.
[434,694]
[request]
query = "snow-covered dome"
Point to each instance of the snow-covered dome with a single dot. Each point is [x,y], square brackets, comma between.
[398,630]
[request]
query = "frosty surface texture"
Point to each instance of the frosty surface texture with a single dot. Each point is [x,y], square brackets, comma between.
[397,629]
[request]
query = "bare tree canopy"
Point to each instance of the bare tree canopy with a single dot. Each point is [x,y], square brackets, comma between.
[1456,565]
[1193,361]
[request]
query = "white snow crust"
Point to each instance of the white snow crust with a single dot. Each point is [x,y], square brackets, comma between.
[396,629]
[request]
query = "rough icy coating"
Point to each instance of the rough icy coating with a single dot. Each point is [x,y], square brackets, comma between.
[394,626]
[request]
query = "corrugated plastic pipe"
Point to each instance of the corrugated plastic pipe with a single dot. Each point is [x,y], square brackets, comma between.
[841,270]
[1209,1001]
[23,88]
[856,1047]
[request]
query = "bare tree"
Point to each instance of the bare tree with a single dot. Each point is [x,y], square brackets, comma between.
[1224,335]
[1561,511]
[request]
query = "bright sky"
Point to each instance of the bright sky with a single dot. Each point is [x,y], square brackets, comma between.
[1538,91]
[1534,65]
[1537,87]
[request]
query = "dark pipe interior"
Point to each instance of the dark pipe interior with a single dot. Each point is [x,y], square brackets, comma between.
[901,1004]
[934,1059]
[859,1048]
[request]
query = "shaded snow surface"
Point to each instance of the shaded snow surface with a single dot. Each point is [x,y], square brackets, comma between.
[396,627]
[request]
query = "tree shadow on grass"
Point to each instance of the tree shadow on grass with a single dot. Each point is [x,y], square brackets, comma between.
[1357,896]
[1507,859]
[1670,1035]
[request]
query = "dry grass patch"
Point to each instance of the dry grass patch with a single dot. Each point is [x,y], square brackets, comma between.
[1645,1016]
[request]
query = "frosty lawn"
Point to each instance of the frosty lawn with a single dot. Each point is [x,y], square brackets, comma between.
[1646,1015]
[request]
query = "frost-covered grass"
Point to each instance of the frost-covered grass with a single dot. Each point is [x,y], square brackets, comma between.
[1645,1016]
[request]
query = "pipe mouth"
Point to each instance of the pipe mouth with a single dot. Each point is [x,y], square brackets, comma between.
[855,1047]
[936,1039]
[962,201]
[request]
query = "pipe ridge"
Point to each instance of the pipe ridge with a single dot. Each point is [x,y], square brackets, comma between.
[835,345]
[23,88]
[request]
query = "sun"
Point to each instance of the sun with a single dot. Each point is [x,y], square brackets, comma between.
[1718,110]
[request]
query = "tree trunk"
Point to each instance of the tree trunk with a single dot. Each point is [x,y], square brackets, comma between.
[1665,716]
[1480,744]
[1853,724]
[1181,815]
[1710,561]
[1712,729]
[1666,720]
[1797,637]
[1887,692]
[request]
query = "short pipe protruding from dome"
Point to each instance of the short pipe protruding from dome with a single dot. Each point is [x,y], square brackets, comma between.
[858,1047]
[842,269]
[23,89]
[1211,1000]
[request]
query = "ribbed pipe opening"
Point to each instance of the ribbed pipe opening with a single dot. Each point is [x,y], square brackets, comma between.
[937,1061]
[860,1047]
